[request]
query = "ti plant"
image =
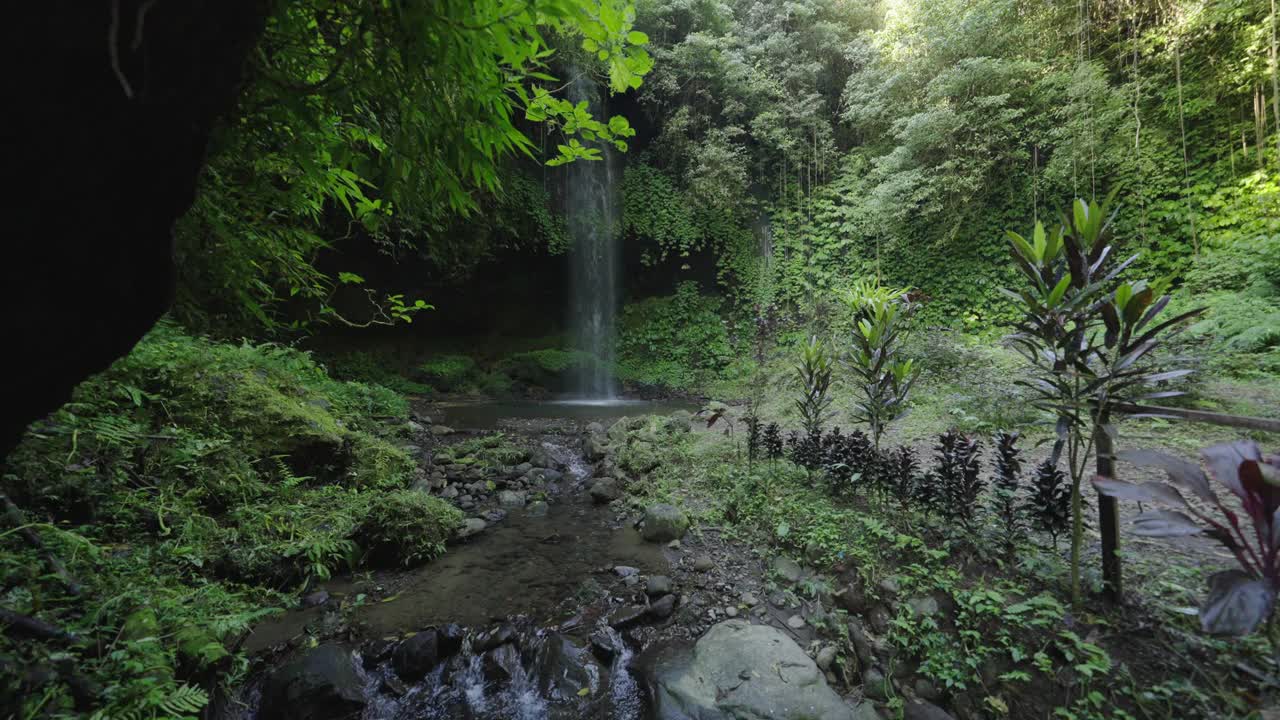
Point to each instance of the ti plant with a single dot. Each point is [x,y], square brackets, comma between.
[1049,505]
[904,478]
[1004,500]
[881,317]
[814,372]
[754,439]
[1088,337]
[959,478]
[1239,600]
[772,441]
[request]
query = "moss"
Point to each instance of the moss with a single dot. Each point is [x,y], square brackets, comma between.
[448,373]
[407,526]
[377,463]
[276,422]
[495,449]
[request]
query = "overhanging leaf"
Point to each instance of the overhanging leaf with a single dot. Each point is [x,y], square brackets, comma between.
[1165,523]
[1237,604]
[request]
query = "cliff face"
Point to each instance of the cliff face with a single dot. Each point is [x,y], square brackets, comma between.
[109,111]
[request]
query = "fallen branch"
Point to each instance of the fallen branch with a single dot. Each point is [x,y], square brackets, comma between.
[19,624]
[14,516]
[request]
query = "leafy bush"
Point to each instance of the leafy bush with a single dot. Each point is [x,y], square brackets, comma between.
[813,378]
[1004,499]
[678,341]
[881,317]
[407,526]
[1049,505]
[958,477]
[546,368]
[375,369]
[181,487]
[448,373]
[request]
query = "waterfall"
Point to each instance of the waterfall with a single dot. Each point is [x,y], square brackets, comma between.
[595,232]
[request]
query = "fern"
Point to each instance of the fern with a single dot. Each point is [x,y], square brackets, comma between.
[184,701]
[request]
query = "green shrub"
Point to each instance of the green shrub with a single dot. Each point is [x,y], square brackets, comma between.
[545,368]
[407,526]
[376,463]
[678,341]
[448,373]
[182,486]
[375,369]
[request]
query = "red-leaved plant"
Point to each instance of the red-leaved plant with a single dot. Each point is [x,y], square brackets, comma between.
[1239,600]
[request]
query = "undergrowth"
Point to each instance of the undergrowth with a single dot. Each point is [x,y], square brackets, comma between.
[192,489]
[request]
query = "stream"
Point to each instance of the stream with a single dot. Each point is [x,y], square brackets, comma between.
[518,615]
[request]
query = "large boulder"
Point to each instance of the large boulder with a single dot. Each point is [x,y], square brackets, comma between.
[321,685]
[664,523]
[416,656]
[605,490]
[738,671]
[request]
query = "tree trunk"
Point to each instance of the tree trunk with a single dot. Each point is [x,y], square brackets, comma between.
[1275,79]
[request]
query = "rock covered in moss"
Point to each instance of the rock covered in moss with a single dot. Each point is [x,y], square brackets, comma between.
[664,522]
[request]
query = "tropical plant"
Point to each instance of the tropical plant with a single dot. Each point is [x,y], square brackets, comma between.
[755,438]
[1088,337]
[904,477]
[958,477]
[772,441]
[881,316]
[845,459]
[1004,498]
[814,372]
[1239,600]
[1049,504]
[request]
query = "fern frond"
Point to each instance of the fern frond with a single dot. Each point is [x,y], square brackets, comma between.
[185,700]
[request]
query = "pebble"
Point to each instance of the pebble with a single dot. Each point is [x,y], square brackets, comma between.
[625,571]
[703,563]
[750,600]
[731,611]
[795,622]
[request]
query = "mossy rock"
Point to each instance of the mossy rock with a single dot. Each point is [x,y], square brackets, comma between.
[377,463]
[198,648]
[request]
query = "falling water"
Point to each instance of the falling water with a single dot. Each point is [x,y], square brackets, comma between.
[592,211]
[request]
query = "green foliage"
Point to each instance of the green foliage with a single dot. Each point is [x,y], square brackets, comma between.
[678,341]
[408,525]
[448,373]
[374,369]
[389,121]
[881,318]
[495,449]
[813,374]
[545,368]
[183,486]
[1087,335]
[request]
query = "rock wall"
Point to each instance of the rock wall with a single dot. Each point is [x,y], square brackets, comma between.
[108,114]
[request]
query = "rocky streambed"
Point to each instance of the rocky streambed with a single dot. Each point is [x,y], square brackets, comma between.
[558,602]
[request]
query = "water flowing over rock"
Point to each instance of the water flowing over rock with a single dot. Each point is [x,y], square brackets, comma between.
[738,670]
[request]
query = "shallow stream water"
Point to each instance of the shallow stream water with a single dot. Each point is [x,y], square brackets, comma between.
[550,574]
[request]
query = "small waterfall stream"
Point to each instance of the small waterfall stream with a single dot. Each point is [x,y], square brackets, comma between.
[595,231]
